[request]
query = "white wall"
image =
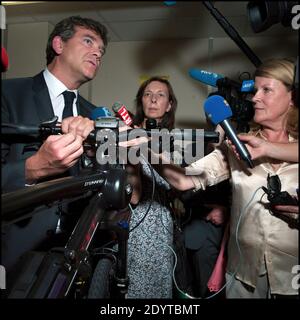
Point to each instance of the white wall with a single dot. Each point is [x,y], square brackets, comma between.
[26,45]
[126,63]
[26,48]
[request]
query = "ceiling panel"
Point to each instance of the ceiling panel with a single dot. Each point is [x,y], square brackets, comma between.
[232,8]
[54,18]
[179,28]
[145,20]
[135,13]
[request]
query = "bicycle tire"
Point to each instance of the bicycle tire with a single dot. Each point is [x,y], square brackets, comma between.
[101,280]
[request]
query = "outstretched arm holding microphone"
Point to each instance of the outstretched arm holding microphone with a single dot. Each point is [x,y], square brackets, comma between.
[259,147]
[261,233]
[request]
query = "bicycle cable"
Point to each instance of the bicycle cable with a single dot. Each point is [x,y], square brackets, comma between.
[152,196]
[185,294]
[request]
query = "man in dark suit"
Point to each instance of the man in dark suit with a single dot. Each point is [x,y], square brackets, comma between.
[202,233]
[198,236]
[74,52]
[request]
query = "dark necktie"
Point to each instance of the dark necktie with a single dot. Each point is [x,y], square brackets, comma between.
[69,97]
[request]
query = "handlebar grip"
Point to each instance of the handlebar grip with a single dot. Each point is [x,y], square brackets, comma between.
[16,129]
[40,132]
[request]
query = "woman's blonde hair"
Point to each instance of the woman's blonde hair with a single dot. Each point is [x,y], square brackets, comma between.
[284,71]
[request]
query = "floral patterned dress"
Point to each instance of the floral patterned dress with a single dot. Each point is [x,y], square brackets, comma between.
[150,260]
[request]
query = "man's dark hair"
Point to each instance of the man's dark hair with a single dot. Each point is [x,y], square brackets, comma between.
[66,29]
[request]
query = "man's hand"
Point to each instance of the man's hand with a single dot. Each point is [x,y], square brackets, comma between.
[56,155]
[217,215]
[78,126]
[59,153]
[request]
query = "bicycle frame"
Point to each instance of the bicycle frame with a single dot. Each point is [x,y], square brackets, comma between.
[61,266]
[108,209]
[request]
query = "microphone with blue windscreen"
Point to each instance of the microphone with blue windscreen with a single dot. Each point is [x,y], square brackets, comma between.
[247,86]
[169,3]
[100,112]
[209,78]
[218,111]
[214,80]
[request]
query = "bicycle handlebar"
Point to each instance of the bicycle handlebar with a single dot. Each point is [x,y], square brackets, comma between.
[45,129]
[110,189]
[113,185]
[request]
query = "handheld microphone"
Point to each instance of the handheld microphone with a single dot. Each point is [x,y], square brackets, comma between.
[214,80]
[218,111]
[4,60]
[120,109]
[100,112]
[151,124]
[209,78]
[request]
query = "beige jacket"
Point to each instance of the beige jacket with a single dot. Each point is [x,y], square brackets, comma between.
[261,236]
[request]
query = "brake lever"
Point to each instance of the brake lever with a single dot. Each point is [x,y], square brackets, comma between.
[49,127]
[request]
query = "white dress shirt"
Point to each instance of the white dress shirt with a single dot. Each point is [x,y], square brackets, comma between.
[56,88]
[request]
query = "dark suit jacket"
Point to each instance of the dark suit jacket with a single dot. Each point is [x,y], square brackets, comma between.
[26,101]
[198,232]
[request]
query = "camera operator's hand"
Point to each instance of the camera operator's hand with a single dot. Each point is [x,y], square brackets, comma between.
[289,213]
[218,214]
[133,142]
[291,210]
[78,126]
[287,209]
[56,155]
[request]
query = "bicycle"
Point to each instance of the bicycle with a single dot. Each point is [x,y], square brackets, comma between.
[69,271]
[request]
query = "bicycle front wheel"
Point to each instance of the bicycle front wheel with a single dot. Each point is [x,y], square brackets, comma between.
[101,280]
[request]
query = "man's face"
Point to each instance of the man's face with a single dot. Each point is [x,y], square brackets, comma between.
[81,55]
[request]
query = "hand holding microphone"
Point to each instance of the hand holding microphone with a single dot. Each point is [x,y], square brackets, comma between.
[218,111]
[256,146]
